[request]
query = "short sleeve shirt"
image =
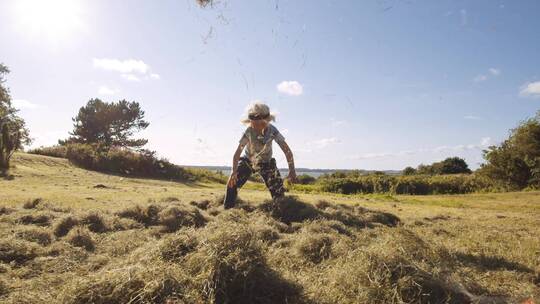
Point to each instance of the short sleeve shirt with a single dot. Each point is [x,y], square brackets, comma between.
[259,147]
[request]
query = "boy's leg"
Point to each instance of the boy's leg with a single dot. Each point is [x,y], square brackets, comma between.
[272,179]
[244,172]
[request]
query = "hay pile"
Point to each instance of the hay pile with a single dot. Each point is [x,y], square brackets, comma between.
[287,251]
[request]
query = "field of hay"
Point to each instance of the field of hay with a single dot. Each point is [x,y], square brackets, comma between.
[73,236]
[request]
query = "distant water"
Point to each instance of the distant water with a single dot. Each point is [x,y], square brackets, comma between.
[315,174]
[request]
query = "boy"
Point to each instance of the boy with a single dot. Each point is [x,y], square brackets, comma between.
[257,139]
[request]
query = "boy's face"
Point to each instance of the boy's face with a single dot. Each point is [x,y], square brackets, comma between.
[259,124]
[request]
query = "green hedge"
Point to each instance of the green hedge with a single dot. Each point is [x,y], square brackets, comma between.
[54,151]
[128,162]
[415,184]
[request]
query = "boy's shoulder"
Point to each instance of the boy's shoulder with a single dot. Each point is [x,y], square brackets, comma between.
[248,130]
[273,128]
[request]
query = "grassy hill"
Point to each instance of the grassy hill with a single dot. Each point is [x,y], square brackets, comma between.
[69,235]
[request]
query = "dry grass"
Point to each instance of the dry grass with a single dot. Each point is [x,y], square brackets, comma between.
[175,217]
[38,235]
[17,251]
[31,204]
[64,225]
[95,222]
[149,248]
[80,237]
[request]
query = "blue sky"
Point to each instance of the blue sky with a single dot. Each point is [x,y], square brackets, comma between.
[362,84]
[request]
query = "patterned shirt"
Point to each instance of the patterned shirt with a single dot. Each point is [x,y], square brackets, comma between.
[259,147]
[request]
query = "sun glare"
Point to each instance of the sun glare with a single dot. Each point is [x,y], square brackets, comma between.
[54,19]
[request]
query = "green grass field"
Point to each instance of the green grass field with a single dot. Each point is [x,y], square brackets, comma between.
[477,248]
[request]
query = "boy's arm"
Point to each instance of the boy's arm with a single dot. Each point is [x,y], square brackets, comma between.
[290,159]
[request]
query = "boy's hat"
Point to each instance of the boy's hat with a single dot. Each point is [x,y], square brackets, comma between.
[258,111]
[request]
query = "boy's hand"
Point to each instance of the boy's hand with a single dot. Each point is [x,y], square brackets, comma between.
[232,180]
[292,177]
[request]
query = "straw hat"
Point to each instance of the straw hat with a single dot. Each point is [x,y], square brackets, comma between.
[257,111]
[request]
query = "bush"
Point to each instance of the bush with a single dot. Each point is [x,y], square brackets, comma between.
[407,184]
[53,151]
[515,163]
[139,164]
[305,179]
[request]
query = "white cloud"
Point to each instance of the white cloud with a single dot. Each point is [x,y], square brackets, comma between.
[23,104]
[123,66]
[155,76]
[293,88]
[495,72]
[480,78]
[484,143]
[492,72]
[131,77]
[338,123]
[530,89]
[104,90]
[325,142]
[472,117]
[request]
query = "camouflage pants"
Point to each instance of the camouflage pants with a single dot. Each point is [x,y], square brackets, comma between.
[268,171]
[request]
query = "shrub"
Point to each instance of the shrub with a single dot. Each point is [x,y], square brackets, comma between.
[305,179]
[139,164]
[59,151]
[407,184]
[515,163]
